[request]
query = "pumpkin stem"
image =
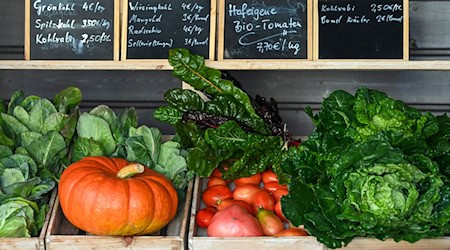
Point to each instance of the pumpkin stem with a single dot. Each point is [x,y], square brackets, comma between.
[130,170]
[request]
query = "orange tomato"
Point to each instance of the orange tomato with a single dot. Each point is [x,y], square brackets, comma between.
[254,179]
[277,194]
[245,192]
[269,176]
[262,200]
[214,181]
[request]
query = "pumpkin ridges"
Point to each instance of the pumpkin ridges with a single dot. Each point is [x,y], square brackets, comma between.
[89,180]
[161,215]
[174,196]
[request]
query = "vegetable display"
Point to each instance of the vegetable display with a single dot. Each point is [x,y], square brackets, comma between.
[100,132]
[110,196]
[227,128]
[370,169]
[244,207]
[35,136]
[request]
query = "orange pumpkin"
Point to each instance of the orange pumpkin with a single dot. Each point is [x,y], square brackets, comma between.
[110,196]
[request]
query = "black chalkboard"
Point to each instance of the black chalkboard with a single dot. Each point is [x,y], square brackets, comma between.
[363,29]
[265,29]
[71,29]
[154,27]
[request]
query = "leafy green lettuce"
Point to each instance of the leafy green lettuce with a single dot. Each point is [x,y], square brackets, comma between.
[100,132]
[368,170]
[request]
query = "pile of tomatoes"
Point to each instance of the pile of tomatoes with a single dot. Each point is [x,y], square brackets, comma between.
[248,206]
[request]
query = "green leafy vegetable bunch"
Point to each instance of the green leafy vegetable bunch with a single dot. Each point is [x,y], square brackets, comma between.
[219,123]
[373,167]
[101,132]
[35,137]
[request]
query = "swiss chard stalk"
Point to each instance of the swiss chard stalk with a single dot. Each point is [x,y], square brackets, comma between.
[226,127]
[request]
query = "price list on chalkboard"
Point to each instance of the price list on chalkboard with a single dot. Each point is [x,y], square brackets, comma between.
[363,29]
[265,29]
[71,29]
[153,27]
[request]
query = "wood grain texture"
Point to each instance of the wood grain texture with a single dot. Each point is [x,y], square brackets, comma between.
[173,237]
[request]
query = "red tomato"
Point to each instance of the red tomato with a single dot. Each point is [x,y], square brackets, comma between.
[213,195]
[268,176]
[245,193]
[270,223]
[216,173]
[273,186]
[226,203]
[254,179]
[279,212]
[262,199]
[292,232]
[279,193]
[204,216]
[214,181]
[234,221]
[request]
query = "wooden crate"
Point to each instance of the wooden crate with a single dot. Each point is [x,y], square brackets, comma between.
[61,234]
[199,241]
[31,243]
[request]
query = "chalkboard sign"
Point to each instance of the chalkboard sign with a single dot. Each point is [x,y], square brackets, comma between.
[265,29]
[72,29]
[152,27]
[363,29]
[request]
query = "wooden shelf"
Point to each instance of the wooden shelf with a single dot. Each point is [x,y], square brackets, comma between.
[228,64]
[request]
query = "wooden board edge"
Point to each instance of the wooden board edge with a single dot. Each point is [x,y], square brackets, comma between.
[221,30]
[48,217]
[212,29]
[310,31]
[315,16]
[195,204]
[406,30]
[27,30]
[116,44]
[124,33]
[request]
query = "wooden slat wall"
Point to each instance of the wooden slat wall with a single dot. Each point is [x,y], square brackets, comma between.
[294,90]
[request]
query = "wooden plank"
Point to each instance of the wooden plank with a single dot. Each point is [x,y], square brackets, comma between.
[232,64]
[172,239]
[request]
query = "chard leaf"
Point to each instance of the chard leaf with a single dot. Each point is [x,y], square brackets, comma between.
[184,99]
[170,115]
[84,147]
[191,69]
[67,99]
[91,126]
